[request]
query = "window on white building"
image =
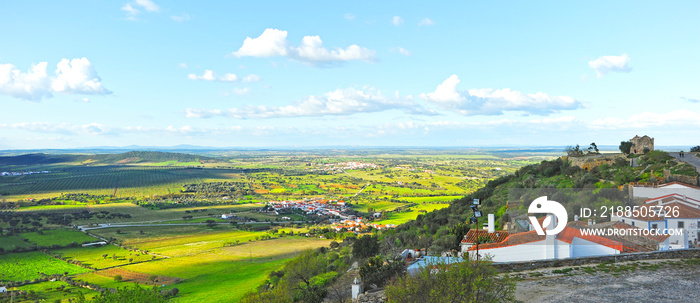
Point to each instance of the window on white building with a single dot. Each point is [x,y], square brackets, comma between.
[681,224]
[654,226]
[632,223]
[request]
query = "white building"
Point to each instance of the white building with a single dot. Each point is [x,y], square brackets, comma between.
[654,191]
[677,219]
[569,243]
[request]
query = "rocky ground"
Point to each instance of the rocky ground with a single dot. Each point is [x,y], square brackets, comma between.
[638,281]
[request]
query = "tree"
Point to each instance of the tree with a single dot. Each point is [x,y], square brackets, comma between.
[573,151]
[593,149]
[153,278]
[459,230]
[299,273]
[626,147]
[469,281]
[695,149]
[118,278]
[379,272]
[365,247]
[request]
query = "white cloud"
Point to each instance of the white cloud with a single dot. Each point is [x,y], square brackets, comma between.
[607,64]
[75,76]
[426,22]
[251,78]
[397,20]
[79,77]
[489,101]
[182,65]
[273,42]
[339,102]
[209,75]
[148,5]
[32,85]
[66,128]
[134,8]
[312,50]
[349,16]
[691,100]
[229,78]
[180,18]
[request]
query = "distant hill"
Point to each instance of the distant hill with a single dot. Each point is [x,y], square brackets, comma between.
[39,159]
[122,158]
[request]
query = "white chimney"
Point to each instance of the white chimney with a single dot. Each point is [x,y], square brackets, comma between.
[356,288]
[492,219]
[575,217]
[590,221]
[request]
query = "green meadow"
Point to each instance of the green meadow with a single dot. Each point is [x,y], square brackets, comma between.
[60,236]
[93,256]
[27,266]
[411,213]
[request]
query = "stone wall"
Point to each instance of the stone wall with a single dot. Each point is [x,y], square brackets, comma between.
[372,296]
[589,162]
[669,177]
[654,255]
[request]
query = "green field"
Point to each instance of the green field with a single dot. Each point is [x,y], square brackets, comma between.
[52,291]
[226,272]
[60,237]
[92,256]
[8,243]
[27,266]
[413,212]
[103,281]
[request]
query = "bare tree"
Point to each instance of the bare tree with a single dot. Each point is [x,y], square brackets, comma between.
[341,290]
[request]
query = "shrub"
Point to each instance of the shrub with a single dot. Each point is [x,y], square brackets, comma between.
[470,281]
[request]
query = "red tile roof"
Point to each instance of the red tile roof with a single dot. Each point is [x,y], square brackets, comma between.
[473,234]
[573,230]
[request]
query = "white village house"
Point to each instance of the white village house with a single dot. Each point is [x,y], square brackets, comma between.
[680,220]
[653,191]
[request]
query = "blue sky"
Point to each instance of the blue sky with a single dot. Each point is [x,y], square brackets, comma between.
[320,73]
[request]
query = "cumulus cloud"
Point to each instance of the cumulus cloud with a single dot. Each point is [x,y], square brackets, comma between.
[487,101]
[426,22]
[349,16]
[608,64]
[79,77]
[209,75]
[35,84]
[76,76]
[339,102]
[273,42]
[397,20]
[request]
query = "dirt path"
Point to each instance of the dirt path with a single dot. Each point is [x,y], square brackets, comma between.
[663,281]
